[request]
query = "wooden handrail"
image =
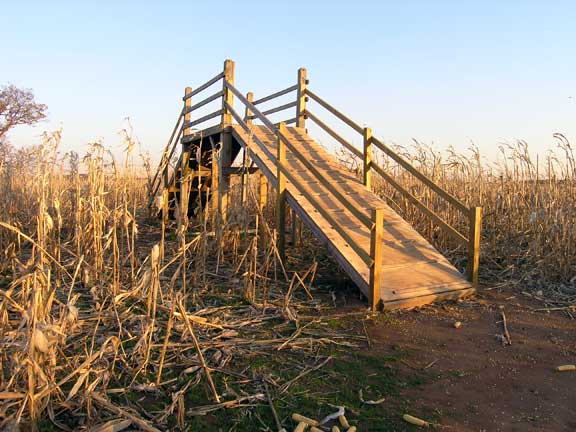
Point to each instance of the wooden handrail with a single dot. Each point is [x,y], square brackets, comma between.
[275,95]
[334,135]
[423,178]
[279,108]
[334,111]
[289,121]
[474,214]
[445,225]
[166,156]
[364,219]
[301,189]
[204,102]
[254,110]
[203,119]
[248,130]
[350,206]
[204,86]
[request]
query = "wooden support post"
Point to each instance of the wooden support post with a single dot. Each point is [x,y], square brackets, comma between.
[215,181]
[225,159]
[294,227]
[281,199]
[263,191]
[474,245]
[263,201]
[301,98]
[247,112]
[165,194]
[187,116]
[367,158]
[184,182]
[376,237]
[245,162]
[227,96]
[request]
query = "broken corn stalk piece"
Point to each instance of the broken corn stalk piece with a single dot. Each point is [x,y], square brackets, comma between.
[301,419]
[565,368]
[344,422]
[301,427]
[415,421]
[315,429]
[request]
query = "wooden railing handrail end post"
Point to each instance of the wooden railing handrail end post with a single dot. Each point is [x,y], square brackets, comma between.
[227,96]
[474,239]
[301,98]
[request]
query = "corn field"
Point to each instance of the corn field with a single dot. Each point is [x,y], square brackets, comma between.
[104,310]
[529,222]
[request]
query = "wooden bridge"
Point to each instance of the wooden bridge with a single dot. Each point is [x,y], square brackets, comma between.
[393,265]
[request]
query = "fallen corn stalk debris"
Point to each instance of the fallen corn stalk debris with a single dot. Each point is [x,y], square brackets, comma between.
[415,421]
[566,368]
[205,409]
[369,402]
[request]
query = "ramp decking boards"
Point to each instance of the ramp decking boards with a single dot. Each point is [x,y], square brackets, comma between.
[413,271]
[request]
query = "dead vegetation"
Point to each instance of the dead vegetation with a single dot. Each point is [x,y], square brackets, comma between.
[528,235]
[106,323]
[110,320]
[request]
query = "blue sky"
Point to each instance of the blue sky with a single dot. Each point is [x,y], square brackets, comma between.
[444,72]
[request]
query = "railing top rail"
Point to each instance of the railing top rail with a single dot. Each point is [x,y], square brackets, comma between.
[275,95]
[334,111]
[459,205]
[276,109]
[341,197]
[203,102]
[250,105]
[204,86]
[167,154]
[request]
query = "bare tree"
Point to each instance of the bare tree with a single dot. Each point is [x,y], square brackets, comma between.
[17,107]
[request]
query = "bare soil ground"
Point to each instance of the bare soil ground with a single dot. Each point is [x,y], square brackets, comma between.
[474,382]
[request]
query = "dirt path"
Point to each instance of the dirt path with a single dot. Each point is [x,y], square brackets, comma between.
[475,383]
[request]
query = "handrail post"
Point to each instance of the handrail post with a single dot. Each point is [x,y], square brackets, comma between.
[301,98]
[184,191]
[188,115]
[367,156]
[376,237]
[474,245]
[247,112]
[225,160]
[281,198]
[227,95]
